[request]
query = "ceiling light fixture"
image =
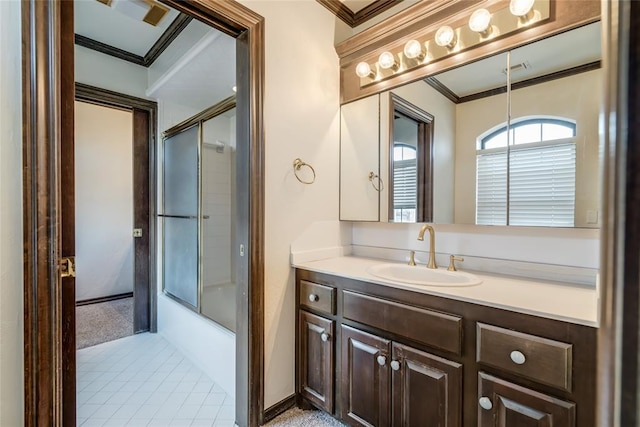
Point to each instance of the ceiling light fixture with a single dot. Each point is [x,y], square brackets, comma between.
[446,37]
[413,50]
[480,22]
[523,9]
[387,60]
[363,70]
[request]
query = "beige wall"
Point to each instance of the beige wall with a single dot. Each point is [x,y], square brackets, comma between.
[577,97]
[11,281]
[301,120]
[104,201]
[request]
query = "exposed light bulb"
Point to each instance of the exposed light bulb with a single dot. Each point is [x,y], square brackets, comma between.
[480,22]
[446,37]
[522,8]
[387,60]
[413,49]
[363,69]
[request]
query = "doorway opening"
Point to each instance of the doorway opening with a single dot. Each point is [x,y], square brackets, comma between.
[50,363]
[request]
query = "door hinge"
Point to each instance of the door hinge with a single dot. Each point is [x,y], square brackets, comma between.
[68,267]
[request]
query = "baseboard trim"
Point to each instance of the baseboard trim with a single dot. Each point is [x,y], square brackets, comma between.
[104,299]
[280,407]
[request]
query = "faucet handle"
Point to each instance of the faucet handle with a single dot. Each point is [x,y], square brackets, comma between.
[412,258]
[452,262]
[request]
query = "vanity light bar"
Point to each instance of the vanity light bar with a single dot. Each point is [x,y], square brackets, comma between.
[483,25]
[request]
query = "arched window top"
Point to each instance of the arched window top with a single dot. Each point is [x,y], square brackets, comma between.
[403,151]
[526,130]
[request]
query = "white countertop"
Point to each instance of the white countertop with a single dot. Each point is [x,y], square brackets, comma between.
[554,300]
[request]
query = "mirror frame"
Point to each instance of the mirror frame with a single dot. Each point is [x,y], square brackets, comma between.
[424,18]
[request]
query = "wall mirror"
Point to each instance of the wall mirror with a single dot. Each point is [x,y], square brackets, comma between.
[508,140]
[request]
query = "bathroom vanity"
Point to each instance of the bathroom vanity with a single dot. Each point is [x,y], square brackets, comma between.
[506,352]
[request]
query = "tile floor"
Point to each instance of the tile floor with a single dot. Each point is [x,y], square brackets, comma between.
[142,380]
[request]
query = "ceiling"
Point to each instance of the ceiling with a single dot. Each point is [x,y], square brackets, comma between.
[107,25]
[567,50]
[195,70]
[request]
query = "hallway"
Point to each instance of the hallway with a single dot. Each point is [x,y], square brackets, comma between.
[143,380]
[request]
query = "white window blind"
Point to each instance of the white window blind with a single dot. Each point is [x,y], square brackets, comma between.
[541,185]
[405,184]
[491,188]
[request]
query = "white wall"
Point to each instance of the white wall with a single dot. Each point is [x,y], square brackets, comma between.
[301,120]
[104,201]
[104,71]
[11,280]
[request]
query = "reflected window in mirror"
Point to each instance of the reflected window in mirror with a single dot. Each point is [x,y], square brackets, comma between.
[526,173]
[411,177]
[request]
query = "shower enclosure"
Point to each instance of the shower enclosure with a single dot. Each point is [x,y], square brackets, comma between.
[198,213]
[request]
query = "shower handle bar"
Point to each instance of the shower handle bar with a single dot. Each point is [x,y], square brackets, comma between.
[182,216]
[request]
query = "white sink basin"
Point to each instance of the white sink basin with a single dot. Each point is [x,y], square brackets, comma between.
[421,275]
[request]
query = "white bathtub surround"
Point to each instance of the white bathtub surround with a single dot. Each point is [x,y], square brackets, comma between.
[554,300]
[205,343]
[322,240]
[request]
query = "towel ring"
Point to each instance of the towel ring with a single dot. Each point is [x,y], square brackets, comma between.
[297,165]
[380,186]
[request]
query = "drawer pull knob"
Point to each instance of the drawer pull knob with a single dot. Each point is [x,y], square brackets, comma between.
[395,365]
[324,337]
[313,297]
[485,403]
[517,357]
[382,360]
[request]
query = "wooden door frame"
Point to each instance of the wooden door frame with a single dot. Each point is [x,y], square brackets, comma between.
[144,202]
[48,102]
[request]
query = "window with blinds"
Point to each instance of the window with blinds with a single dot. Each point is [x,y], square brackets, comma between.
[540,189]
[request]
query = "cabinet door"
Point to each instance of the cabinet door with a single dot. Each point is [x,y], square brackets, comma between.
[365,378]
[316,352]
[503,404]
[426,389]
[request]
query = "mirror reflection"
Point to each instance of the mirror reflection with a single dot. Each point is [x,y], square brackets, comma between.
[485,155]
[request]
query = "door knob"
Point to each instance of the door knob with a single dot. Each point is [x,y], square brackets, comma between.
[382,360]
[324,337]
[395,365]
[517,357]
[313,297]
[485,403]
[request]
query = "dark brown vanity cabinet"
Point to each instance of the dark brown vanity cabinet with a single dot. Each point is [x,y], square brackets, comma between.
[386,383]
[393,357]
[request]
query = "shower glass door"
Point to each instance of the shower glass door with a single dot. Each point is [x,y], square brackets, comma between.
[180,215]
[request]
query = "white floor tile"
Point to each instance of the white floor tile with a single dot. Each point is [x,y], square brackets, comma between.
[143,380]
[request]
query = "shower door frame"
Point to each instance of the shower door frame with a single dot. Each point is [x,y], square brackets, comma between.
[195,120]
[48,120]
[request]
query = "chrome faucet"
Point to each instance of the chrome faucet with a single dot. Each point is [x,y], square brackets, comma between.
[432,244]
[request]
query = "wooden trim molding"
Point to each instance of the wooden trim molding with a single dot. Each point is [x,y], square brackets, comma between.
[354,19]
[49,362]
[451,96]
[421,21]
[165,40]
[279,408]
[104,299]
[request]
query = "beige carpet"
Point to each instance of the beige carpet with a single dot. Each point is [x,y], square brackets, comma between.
[104,321]
[299,417]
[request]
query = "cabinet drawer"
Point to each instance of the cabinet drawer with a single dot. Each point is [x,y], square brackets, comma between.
[317,297]
[435,329]
[539,359]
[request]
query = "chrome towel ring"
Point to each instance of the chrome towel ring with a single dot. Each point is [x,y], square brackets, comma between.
[374,176]
[297,165]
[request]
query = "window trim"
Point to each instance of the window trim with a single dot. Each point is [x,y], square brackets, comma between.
[484,138]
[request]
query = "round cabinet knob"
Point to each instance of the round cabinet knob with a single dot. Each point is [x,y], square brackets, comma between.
[517,357]
[324,337]
[313,297]
[382,360]
[395,365]
[485,403]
